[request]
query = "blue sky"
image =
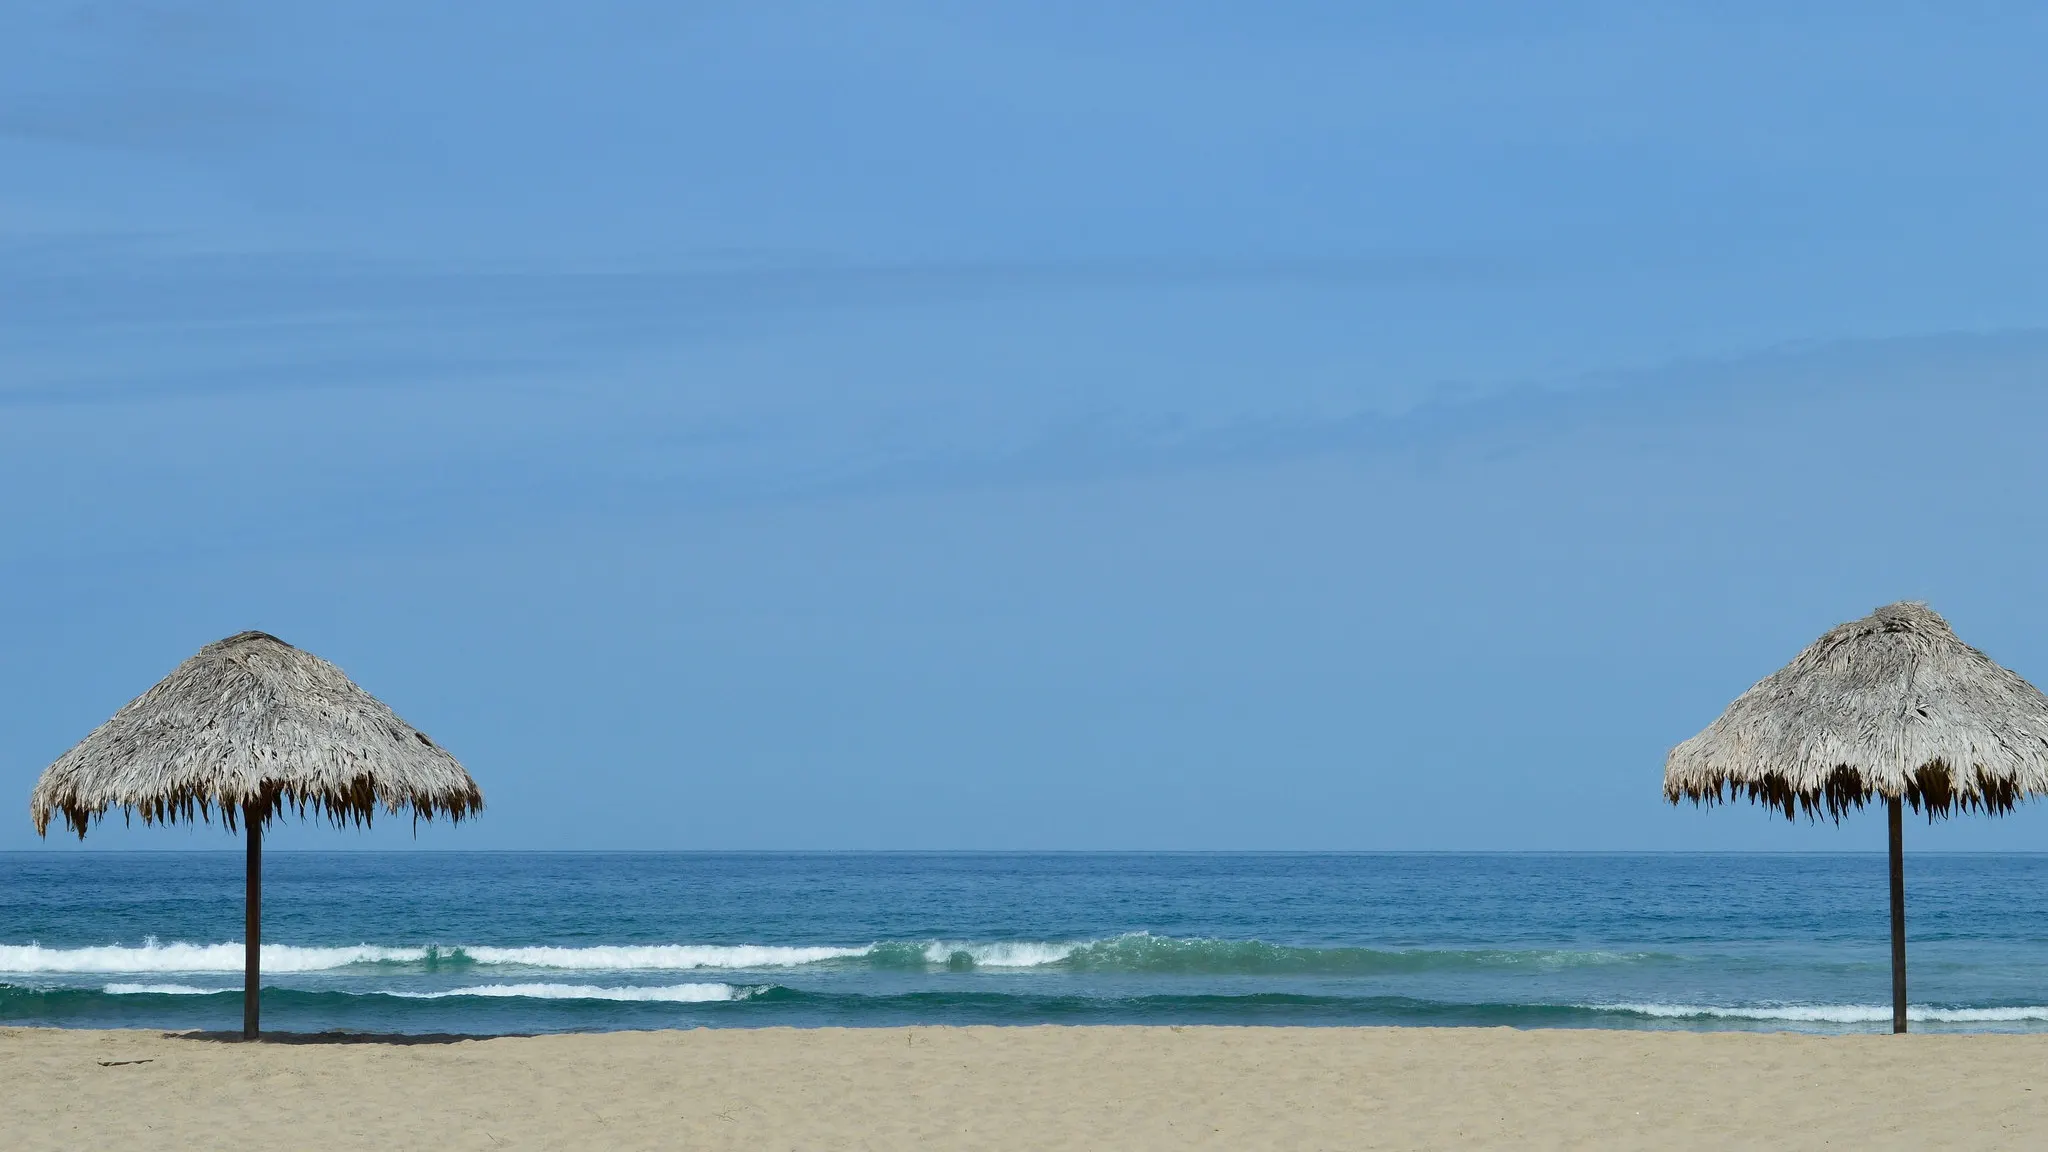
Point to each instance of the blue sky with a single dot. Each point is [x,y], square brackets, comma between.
[898,425]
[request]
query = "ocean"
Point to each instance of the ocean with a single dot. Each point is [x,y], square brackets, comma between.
[547,942]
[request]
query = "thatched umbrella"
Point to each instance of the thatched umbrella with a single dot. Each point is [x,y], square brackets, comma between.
[1893,706]
[253,726]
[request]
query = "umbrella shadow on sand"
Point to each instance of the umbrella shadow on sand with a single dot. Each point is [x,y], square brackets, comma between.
[396,1039]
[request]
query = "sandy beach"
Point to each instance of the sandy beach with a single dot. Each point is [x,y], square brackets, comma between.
[1037,1087]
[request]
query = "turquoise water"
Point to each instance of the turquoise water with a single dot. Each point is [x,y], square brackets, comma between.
[511,942]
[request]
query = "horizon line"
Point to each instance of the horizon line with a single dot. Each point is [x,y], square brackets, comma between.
[269,851]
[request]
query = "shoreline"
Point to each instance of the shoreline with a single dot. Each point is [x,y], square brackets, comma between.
[1024,1086]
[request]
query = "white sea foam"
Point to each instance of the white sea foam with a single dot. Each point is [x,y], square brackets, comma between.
[661,957]
[1009,954]
[1832,1013]
[671,993]
[1136,949]
[151,956]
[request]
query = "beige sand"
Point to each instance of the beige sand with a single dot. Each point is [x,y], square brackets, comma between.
[1108,1088]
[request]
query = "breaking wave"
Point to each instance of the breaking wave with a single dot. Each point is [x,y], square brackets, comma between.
[1829,1013]
[667,993]
[1137,952]
[151,956]
[507,1006]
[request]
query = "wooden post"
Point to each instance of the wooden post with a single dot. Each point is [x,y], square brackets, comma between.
[1896,818]
[252,929]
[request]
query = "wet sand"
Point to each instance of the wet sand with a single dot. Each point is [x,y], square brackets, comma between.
[1041,1087]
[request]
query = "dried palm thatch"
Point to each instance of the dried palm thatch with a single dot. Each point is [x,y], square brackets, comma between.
[1892,705]
[253,725]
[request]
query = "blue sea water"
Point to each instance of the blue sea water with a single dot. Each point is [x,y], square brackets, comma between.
[512,942]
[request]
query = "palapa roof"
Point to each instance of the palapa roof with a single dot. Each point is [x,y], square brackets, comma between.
[253,719]
[1892,705]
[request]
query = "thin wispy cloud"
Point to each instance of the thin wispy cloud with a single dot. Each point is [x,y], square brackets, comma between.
[95,320]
